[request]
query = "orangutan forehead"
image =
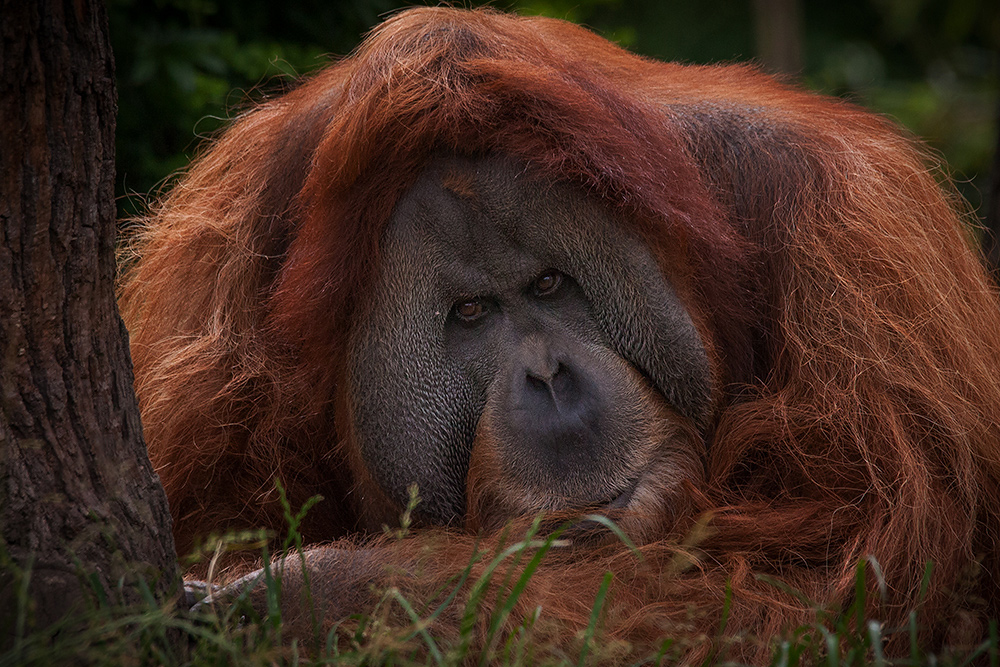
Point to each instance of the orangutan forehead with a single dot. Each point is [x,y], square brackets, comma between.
[472,219]
[475,206]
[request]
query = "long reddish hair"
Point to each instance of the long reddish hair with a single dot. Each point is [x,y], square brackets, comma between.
[854,332]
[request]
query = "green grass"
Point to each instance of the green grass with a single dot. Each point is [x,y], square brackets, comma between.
[150,633]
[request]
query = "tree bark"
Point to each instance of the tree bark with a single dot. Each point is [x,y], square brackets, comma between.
[77,492]
[991,218]
[778,27]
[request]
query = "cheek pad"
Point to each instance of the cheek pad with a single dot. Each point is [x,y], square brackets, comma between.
[415,412]
[635,306]
[651,328]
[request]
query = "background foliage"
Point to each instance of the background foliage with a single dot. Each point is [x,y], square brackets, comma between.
[185,66]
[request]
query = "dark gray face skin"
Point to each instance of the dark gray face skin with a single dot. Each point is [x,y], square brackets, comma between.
[496,287]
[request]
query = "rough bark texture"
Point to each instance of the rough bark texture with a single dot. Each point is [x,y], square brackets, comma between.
[77,492]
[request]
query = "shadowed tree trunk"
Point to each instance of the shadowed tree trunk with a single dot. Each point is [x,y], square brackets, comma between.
[991,217]
[778,28]
[77,492]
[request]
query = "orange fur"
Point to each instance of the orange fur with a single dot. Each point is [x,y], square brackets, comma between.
[856,337]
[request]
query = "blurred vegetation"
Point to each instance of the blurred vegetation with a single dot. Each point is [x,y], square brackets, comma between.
[185,66]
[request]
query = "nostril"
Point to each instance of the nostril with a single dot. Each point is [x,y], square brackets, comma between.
[562,380]
[536,383]
[559,391]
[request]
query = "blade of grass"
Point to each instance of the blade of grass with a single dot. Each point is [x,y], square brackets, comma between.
[916,655]
[541,548]
[832,642]
[860,594]
[875,640]
[419,624]
[468,622]
[22,595]
[727,602]
[785,588]
[883,588]
[613,527]
[595,613]
[925,581]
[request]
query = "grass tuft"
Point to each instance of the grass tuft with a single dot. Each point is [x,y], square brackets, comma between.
[490,630]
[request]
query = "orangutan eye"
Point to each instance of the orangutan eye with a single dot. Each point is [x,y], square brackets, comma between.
[469,309]
[547,283]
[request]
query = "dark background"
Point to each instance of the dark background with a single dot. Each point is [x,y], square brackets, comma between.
[186,66]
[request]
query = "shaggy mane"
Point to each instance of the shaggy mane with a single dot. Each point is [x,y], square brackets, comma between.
[856,336]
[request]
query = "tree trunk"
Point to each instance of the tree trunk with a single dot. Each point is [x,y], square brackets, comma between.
[991,219]
[778,27]
[77,493]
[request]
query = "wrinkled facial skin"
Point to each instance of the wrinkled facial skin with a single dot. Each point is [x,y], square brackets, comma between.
[516,324]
